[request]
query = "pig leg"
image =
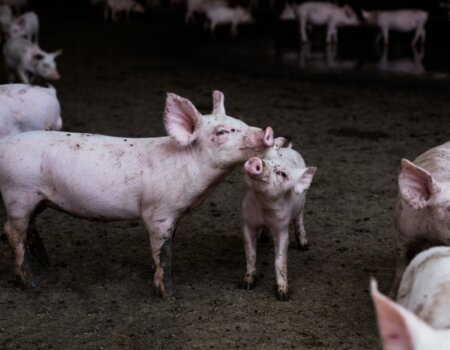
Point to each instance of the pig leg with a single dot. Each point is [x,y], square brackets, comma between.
[161,234]
[400,267]
[23,76]
[303,35]
[281,244]
[331,34]
[385,32]
[234,30]
[419,35]
[19,210]
[250,238]
[300,233]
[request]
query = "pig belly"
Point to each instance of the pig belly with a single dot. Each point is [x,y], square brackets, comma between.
[318,17]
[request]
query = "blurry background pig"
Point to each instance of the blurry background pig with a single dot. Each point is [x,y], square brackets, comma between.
[399,20]
[275,196]
[26,108]
[113,178]
[320,13]
[27,60]
[420,320]
[422,211]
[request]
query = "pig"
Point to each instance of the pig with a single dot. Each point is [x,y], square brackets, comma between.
[275,195]
[17,5]
[422,210]
[201,6]
[112,178]
[113,7]
[25,108]
[420,318]
[321,13]
[6,17]
[27,60]
[398,20]
[25,26]
[226,15]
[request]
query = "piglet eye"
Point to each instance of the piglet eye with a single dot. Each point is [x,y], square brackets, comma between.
[281,173]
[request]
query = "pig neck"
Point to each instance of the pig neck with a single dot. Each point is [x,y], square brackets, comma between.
[273,203]
[200,176]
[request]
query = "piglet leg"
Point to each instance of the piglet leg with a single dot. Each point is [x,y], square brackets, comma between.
[250,237]
[281,244]
[300,233]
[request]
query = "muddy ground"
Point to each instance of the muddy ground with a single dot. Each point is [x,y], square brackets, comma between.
[98,294]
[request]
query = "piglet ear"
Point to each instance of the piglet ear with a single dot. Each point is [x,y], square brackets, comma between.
[416,185]
[348,11]
[218,103]
[304,180]
[182,120]
[279,142]
[57,53]
[398,327]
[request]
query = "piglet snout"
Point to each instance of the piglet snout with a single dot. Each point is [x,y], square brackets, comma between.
[254,166]
[268,137]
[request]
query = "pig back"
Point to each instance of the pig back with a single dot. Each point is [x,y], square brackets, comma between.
[437,162]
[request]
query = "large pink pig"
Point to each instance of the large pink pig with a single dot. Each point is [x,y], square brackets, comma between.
[422,212]
[275,196]
[114,178]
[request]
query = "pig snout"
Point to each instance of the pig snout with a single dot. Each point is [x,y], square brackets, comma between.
[268,137]
[254,166]
[55,75]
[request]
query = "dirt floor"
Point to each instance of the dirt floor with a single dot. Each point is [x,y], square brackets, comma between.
[98,293]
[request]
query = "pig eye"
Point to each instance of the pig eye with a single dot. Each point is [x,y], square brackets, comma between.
[222,132]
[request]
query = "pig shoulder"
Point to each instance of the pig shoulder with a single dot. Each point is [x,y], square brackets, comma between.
[425,287]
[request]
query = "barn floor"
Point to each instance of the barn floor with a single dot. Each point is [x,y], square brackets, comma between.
[355,128]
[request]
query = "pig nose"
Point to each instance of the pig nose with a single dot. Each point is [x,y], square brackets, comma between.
[254,166]
[268,137]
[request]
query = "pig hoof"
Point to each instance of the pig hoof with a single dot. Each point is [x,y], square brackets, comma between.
[282,294]
[303,247]
[248,285]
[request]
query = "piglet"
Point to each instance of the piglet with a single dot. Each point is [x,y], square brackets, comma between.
[421,317]
[28,60]
[25,26]
[227,15]
[157,179]
[400,21]
[422,210]
[25,108]
[321,13]
[274,197]
[122,6]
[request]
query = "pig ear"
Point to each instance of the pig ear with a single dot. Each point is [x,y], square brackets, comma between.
[182,120]
[416,185]
[279,142]
[305,179]
[218,103]
[348,10]
[399,328]
[57,53]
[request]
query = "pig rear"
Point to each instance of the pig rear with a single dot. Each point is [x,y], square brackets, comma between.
[26,108]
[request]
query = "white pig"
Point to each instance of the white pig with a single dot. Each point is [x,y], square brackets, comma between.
[6,17]
[422,211]
[274,197]
[421,317]
[25,108]
[114,178]
[321,13]
[227,15]
[25,26]
[201,6]
[114,7]
[398,20]
[27,60]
